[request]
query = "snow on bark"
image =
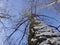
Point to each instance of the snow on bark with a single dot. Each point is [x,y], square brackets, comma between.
[43,34]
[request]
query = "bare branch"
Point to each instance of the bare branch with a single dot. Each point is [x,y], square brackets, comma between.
[16,29]
[24,33]
[54,27]
[48,17]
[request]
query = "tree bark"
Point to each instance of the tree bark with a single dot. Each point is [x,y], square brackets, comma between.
[41,34]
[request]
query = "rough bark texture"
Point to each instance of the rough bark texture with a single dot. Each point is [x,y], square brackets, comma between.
[42,34]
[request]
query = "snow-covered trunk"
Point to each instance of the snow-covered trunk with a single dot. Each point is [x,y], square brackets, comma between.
[2,30]
[42,34]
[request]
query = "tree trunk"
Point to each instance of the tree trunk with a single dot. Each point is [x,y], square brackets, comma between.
[42,34]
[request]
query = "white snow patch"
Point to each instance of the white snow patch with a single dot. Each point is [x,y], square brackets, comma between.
[33,40]
[49,33]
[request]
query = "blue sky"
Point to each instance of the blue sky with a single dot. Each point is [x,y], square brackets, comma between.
[16,8]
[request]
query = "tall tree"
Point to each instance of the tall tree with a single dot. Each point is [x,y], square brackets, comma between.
[36,26]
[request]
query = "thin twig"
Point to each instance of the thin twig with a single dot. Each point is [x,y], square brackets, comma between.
[15,29]
[23,33]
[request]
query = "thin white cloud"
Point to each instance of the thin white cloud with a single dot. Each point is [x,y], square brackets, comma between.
[51,4]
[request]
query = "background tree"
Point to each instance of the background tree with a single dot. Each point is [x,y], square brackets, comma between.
[4,15]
